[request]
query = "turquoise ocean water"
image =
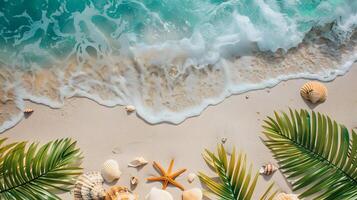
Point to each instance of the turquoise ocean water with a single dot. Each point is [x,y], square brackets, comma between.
[169,58]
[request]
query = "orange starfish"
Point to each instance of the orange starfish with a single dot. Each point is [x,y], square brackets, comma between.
[167,177]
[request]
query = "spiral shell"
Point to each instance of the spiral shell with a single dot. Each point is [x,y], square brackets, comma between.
[268,169]
[193,194]
[89,186]
[120,193]
[284,196]
[138,162]
[314,92]
[110,170]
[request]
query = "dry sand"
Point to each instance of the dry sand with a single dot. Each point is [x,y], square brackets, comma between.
[104,133]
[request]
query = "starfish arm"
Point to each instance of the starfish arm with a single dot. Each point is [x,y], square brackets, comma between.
[170,166]
[176,174]
[156,179]
[158,166]
[165,184]
[173,182]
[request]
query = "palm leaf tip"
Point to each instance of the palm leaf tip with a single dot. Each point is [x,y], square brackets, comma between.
[316,153]
[33,172]
[236,179]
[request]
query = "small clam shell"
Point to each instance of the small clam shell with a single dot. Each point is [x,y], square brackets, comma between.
[134,180]
[314,92]
[89,186]
[284,196]
[110,170]
[138,162]
[130,108]
[120,193]
[192,194]
[158,194]
[267,169]
[191,177]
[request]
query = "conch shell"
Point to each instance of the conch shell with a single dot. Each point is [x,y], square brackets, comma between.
[158,194]
[284,196]
[314,91]
[268,169]
[110,170]
[138,162]
[89,186]
[193,194]
[130,108]
[120,193]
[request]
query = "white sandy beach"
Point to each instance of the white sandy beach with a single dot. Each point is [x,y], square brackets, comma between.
[104,133]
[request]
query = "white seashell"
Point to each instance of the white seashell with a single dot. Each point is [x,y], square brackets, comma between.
[134,180]
[284,196]
[191,177]
[120,193]
[110,170]
[267,169]
[138,162]
[158,194]
[314,91]
[89,186]
[192,194]
[130,108]
[28,111]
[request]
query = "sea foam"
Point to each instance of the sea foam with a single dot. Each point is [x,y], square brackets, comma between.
[169,59]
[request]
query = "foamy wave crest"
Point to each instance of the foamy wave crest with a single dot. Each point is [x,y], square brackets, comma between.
[170,60]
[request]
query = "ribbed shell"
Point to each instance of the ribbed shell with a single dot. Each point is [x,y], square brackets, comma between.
[119,193]
[110,170]
[89,186]
[284,196]
[314,92]
[268,169]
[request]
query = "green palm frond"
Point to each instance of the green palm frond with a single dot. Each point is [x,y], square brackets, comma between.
[316,153]
[237,182]
[35,173]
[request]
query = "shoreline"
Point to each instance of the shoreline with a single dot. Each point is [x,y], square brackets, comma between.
[103,132]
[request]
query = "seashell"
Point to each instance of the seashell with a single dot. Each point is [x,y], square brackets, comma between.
[284,196]
[28,111]
[268,169]
[191,177]
[89,186]
[192,194]
[314,92]
[130,108]
[110,170]
[120,193]
[134,180]
[158,194]
[138,162]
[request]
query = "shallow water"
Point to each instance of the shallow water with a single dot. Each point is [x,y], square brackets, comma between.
[169,58]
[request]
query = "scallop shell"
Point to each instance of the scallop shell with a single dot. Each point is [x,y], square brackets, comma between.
[28,111]
[89,186]
[191,177]
[192,194]
[314,91]
[268,169]
[158,194]
[138,162]
[120,193]
[130,108]
[284,196]
[110,170]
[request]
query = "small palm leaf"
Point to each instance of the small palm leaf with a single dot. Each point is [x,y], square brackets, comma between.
[35,173]
[318,154]
[236,181]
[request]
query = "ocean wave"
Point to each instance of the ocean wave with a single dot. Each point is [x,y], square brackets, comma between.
[171,59]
